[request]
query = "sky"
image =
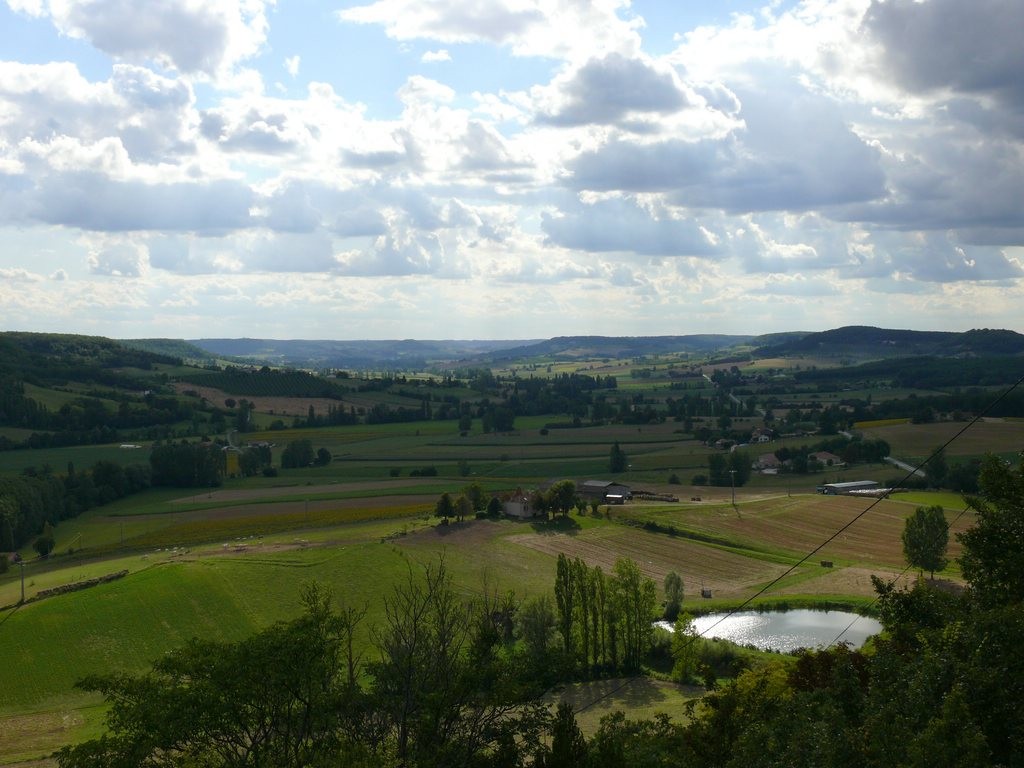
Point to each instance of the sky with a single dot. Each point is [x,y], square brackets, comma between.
[509,169]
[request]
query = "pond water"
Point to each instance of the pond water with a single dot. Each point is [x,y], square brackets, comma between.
[786,631]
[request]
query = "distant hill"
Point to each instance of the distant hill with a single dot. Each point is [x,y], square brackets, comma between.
[169,348]
[584,347]
[396,354]
[871,342]
[60,356]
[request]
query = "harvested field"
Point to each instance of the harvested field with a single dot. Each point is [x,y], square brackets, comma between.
[727,574]
[845,581]
[798,524]
[278,406]
[919,440]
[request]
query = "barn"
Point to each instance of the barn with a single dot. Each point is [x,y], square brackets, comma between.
[605,491]
[841,489]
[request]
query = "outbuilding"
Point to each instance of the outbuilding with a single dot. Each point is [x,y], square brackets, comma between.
[606,491]
[842,489]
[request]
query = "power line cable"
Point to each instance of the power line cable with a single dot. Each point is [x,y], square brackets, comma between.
[892,582]
[861,514]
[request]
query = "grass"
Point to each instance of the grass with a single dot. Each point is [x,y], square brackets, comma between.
[641,697]
[910,440]
[83,457]
[221,564]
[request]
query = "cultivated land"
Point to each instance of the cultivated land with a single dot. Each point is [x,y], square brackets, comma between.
[220,564]
[360,547]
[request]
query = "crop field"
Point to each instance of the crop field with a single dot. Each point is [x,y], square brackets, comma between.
[286,407]
[220,564]
[917,441]
[728,574]
[794,525]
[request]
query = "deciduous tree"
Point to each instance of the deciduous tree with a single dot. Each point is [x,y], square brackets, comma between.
[925,538]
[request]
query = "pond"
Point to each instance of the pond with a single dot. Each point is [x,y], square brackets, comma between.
[786,631]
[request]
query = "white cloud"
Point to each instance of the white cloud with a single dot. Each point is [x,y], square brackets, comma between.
[611,89]
[432,57]
[118,259]
[193,37]
[564,29]
[810,150]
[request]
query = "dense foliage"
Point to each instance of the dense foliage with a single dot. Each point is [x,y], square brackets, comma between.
[36,499]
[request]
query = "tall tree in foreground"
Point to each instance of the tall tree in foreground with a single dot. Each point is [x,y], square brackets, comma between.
[278,698]
[993,549]
[925,538]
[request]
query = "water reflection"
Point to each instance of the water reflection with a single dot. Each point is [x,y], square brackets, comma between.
[786,631]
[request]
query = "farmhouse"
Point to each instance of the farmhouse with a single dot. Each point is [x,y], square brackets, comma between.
[826,458]
[768,463]
[518,506]
[842,489]
[607,491]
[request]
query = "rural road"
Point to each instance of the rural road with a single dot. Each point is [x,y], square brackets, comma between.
[904,466]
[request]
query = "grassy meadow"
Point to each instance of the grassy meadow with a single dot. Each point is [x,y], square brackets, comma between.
[221,563]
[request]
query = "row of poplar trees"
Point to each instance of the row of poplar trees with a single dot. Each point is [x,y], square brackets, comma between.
[604,621]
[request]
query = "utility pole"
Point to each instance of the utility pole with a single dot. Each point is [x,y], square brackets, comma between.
[732,480]
[22,564]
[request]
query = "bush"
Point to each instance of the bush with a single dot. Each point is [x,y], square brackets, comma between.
[44,545]
[673,479]
[270,471]
[395,471]
[5,563]
[699,480]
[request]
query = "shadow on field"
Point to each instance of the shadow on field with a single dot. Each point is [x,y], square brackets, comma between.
[563,524]
[452,527]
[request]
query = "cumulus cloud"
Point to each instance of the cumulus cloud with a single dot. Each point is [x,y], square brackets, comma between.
[931,258]
[622,225]
[255,131]
[92,201]
[118,259]
[609,89]
[150,115]
[556,28]
[810,150]
[795,156]
[19,276]
[395,255]
[194,37]
[951,45]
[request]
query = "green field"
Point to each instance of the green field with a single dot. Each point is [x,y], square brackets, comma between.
[222,563]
